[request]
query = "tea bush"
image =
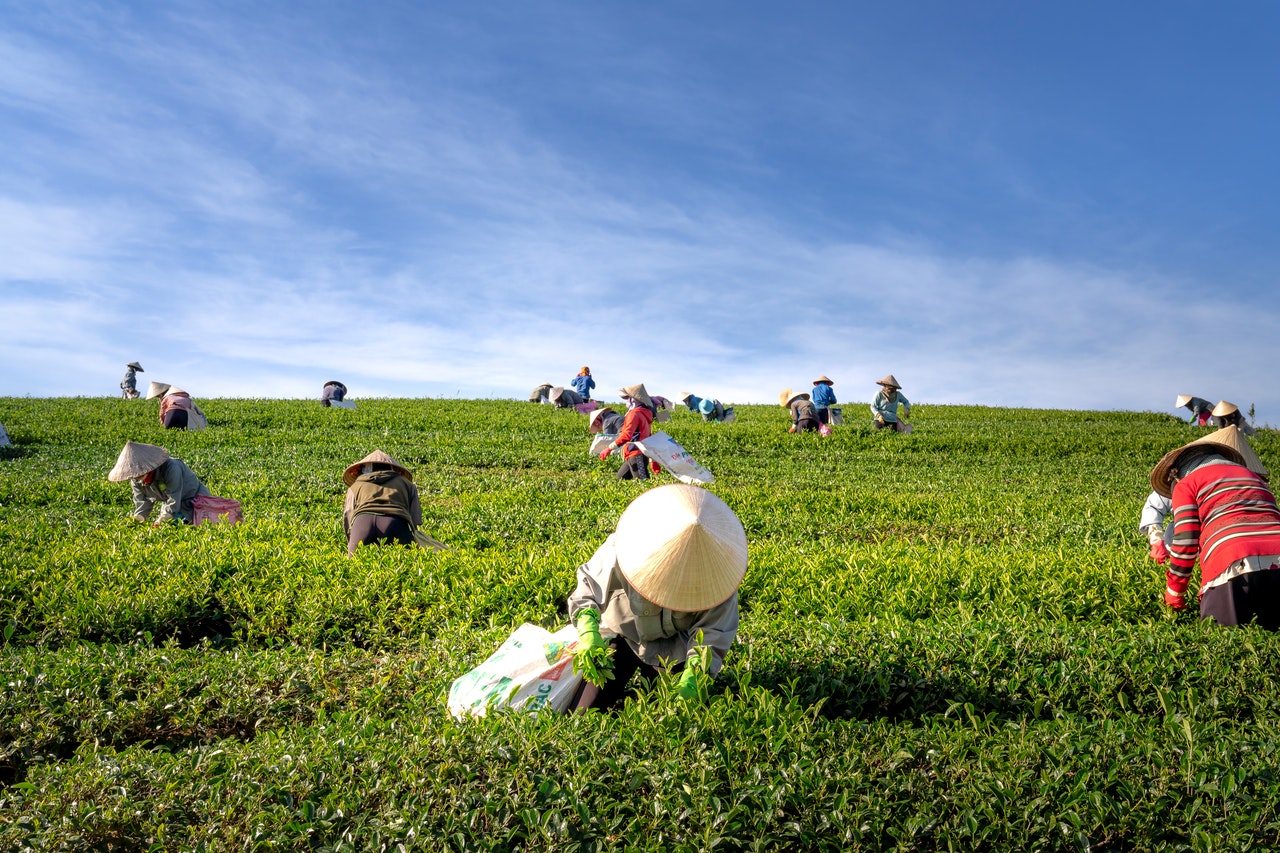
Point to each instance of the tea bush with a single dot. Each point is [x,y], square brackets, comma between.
[950,641]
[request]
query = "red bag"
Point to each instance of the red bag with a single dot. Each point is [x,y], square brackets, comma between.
[209,508]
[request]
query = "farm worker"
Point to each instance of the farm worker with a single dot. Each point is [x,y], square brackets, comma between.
[711,410]
[539,394]
[605,421]
[1151,523]
[563,398]
[884,406]
[1225,516]
[662,403]
[804,417]
[157,477]
[1228,414]
[1200,408]
[177,410]
[332,392]
[823,398]
[665,586]
[583,383]
[637,425]
[381,504]
[129,385]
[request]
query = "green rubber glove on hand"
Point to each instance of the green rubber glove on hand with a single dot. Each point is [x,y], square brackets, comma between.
[593,656]
[690,684]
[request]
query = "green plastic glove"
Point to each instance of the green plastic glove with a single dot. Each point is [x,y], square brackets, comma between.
[690,685]
[593,657]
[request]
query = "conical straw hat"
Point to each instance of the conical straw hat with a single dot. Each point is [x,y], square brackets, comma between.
[1224,408]
[135,366]
[889,382]
[785,398]
[137,459]
[637,392]
[682,548]
[1230,442]
[1181,400]
[353,470]
[157,389]
[593,422]
[823,378]
[685,395]
[556,393]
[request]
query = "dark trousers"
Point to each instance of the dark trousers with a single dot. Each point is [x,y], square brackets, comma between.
[371,529]
[1247,598]
[635,468]
[175,419]
[625,665]
[824,416]
[807,424]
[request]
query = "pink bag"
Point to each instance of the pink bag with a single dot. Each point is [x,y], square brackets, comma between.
[209,508]
[824,430]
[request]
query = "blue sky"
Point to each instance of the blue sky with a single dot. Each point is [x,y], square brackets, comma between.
[1017,204]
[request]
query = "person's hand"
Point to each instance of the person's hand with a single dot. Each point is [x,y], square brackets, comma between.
[593,656]
[791,428]
[1176,600]
[655,467]
[588,624]
[690,684]
[604,454]
[1159,552]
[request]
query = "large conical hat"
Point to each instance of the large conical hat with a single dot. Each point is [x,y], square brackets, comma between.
[353,470]
[1224,408]
[1230,442]
[682,548]
[157,389]
[593,422]
[785,398]
[889,382]
[135,366]
[137,459]
[637,392]
[1181,400]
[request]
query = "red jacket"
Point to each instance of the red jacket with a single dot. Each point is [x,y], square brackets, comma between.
[636,426]
[1221,514]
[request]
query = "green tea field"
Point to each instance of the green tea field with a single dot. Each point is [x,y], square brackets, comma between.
[951,640]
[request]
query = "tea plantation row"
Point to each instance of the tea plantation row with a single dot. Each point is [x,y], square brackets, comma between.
[950,641]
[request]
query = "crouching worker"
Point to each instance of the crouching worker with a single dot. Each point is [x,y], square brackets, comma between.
[665,584]
[382,503]
[1225,516]
[157,478]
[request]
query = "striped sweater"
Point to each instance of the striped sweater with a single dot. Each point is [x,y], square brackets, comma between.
[1222,513]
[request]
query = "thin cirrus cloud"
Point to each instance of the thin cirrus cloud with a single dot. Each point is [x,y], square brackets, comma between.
[254,209]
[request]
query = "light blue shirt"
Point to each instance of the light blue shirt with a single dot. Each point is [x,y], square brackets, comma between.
[887,409]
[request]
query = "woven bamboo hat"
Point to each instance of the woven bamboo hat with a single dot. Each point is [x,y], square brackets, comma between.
[637,392]
[353,470]
[889,382]
[1229,441]
[823,378]
[556,393]
[682,548]
[137,459]
[1224,408]
[135,366]
[785,398]
[1181,400]
[157,389]
[593,421]
[685,395]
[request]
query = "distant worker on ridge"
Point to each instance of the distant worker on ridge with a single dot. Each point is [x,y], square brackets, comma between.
[884,406]
[823,398]
[584,384]
[1228,414]
[129,385]
[804,416]
[1200,408]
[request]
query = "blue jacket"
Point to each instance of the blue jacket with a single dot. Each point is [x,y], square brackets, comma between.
[583,385]
[823,397]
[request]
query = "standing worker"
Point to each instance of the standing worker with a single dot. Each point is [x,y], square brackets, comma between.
[1200,408]
[1225,517]
[804,417]
[637,425]
[584,384]
[884,406]
[381,504]
[157,478]
[666,584]
[823,398]
[129,385]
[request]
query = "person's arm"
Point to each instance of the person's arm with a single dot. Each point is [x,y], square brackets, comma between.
[415,506]
[1186,540]
[593,580]
[906,405]
[348,512]
[719,627]
[174,485]
[142,500]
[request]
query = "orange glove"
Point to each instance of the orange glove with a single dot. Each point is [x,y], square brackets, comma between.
[655,467]
[604,454]
[1159,552]
[1176,600]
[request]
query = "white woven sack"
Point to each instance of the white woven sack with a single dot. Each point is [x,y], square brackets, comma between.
[668,453]
[531,671]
